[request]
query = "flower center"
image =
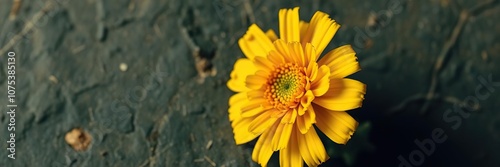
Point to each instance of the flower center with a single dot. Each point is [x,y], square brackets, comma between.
[285,86]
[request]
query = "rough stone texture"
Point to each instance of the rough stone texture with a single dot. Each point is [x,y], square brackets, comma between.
[161,113]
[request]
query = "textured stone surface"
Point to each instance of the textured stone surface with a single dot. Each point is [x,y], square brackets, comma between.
[160,112]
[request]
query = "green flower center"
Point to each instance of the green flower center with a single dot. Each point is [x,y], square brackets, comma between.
[285,86]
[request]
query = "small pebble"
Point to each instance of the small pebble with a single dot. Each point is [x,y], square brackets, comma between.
[484,55]
[372,20]
[78,139]
[123,67]
[53,79]
[209,144]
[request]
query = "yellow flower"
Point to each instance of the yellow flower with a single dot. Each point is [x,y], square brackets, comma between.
[282,90]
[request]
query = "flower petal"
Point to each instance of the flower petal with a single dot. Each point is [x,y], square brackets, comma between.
[290,156]
[301,125]
[254,94]
[254,107]
[303,28]
[343,94]
[235,103]
[338,126]
[275,57]
[320,32]
[298,53]
[240,130]
[262,122]
[321,83]
[263,149]
[311,148]
[289,117]
[312,71]
[342,61]
[282,136]
[306,121]
[242,68]
[306,100]
[263,63]
[289,24]
[271,35]
[240,124]
[284,51]
[309,53]
[255,81]
[255,43]
[292,52]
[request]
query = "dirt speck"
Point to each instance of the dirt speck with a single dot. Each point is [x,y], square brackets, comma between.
[123,67]
[78,139]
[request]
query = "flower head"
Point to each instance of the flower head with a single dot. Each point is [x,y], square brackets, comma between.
[283,90]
